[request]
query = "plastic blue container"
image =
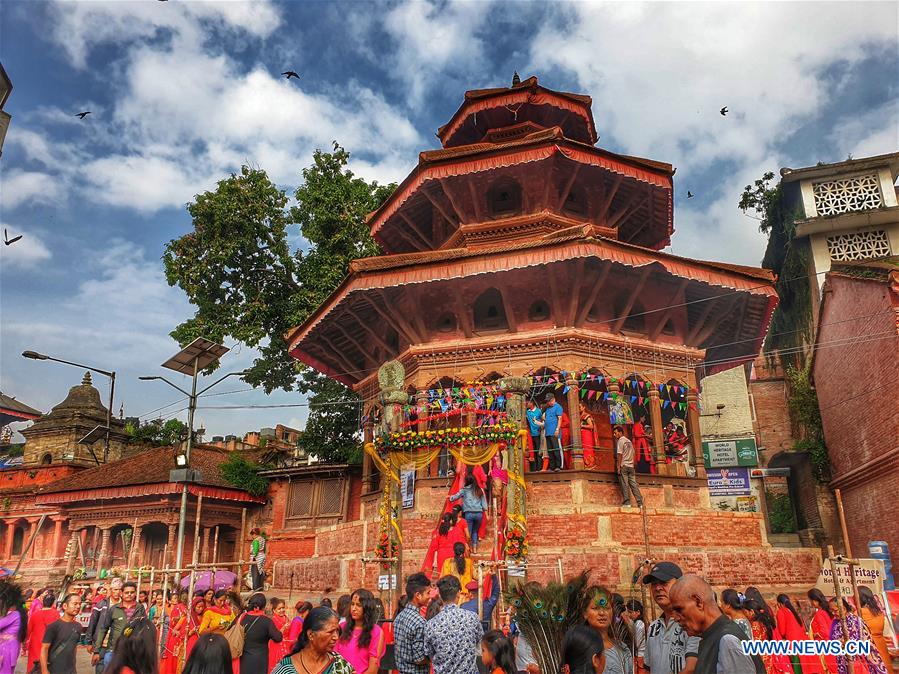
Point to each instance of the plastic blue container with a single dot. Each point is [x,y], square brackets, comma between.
[880,550]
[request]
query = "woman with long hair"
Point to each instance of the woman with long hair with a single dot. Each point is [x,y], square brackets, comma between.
[278,650]
[732,606]
[361,640]
[301,610]
[821,623]
[498,653]
[617,638]
[872,663]
[459,566]
[873,616]
[13,624]
[258,631]
[211,655]
[313,652]
[445,536]
[173,648]
[764,629]
[194,619]
[789,624]
[135,651]
[754,594]
[583,651]
[474,504]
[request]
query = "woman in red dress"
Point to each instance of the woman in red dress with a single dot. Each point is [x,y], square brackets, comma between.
[195,617]
[790,627]
[173,652]
[278,651]
[588,438]
[821,624]
[642,447]
[565,439]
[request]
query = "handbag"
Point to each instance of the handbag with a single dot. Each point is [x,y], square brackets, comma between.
[234,635]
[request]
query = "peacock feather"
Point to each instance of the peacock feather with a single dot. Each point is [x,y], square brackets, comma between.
[544,613]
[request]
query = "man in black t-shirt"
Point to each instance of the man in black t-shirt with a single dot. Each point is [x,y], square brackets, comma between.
[61,639]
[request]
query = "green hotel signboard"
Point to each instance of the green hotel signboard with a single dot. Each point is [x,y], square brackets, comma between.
[730,453]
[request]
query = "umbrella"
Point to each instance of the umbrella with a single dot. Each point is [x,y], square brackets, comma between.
[4,572]
[223,580]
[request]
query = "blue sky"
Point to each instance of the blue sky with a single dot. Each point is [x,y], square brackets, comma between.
[182,93]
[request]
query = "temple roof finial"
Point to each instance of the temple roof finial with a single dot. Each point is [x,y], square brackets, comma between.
[516,80]
[86,381]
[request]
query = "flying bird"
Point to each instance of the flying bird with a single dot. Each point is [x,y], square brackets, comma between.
[9,241]
[290,73]
[84,114]
[689,194]
[723,111]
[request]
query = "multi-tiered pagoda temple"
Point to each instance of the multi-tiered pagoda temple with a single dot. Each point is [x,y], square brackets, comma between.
[520,249]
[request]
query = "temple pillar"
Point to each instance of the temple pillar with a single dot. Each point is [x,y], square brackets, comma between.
[10,533]
[72,552]
[204,544]
[57,537]
[135,551]
[658,435]
[574,415]
[368,435]
[694,432]
[516,389]
[170,545]
[103,557]
[207,546]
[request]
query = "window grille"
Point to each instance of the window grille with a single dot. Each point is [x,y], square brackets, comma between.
[315,502]
[846,195]
[858,246]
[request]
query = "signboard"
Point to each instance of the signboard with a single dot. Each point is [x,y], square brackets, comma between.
[868,573]
[726,453]
[769,472]
[729,482]
[386,580]
[407,487]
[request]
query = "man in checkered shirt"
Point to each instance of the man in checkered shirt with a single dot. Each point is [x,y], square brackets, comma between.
[409,628]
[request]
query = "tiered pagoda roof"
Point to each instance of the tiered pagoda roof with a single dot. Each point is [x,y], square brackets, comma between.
[520,203]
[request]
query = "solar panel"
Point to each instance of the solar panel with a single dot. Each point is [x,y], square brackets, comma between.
[204,351]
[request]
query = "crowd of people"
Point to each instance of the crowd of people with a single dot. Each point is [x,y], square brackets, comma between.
[440,627]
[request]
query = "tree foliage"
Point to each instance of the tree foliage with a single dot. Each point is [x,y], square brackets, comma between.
[805,411]
[249,284]
[158,433]
[244,474]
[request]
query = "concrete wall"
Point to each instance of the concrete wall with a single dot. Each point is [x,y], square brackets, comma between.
[726,388]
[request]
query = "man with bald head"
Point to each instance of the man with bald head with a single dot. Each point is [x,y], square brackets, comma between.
[694,607]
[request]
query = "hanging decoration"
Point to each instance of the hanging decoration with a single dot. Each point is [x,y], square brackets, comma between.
[492,414]
[464,436]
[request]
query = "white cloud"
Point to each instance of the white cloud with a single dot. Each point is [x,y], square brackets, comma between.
[18,187]
[25,253]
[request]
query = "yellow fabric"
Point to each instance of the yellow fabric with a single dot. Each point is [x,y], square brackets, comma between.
[449,569]
[470,456]
[215,622]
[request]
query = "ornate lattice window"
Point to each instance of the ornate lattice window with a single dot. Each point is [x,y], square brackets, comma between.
[851,194]
[316,502]
[858,245]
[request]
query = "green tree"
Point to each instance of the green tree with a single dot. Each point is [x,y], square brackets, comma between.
[244,474]
[238,268]
[158,433]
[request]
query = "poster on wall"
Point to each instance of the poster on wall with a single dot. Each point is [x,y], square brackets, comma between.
[725,453]
[729,482]
[407,486]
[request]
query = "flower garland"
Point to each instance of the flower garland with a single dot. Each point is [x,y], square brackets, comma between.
[466,436]
[516,547]
[386,549]
[455,413]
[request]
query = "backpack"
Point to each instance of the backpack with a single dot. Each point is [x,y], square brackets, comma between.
[234,635]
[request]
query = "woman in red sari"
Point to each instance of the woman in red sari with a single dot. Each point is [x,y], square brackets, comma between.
[279,651]
[565,439]
[173,651]
[642,447]
[821,624]
[790,627]
[588,438]
[197,609]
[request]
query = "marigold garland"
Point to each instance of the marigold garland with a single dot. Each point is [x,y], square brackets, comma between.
[465,436]
[516,545]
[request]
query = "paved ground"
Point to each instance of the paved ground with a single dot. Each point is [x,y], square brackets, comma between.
[83,662]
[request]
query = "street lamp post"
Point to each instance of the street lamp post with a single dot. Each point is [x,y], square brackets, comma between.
[196,356]
[34,355]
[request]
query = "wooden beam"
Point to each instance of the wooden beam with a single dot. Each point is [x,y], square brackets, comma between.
[744,307]
[554,299]
[331,354]
[665,315]
[635,291]
[374,335]
[444,183]
[600,282]
[463,316]
[436,204]
[510,314]
[647,221]
[566,190]
[409,297]
[399,317]
[428,244]
[416,245]
[475,199]
[635,203]
[391,321]
[703,318]
[710,328]
[607,201]
[369,357]
[575,291]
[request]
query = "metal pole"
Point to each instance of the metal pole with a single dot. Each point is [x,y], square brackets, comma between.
[480,591]
[195,558]
[182,517]
[109,416]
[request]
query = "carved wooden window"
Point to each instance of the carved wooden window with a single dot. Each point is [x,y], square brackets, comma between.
[504,198]
[316,502]
[18,540]
[539,311]
[858,246]
[446,323]
[575,202]
[489,313]
[850,194]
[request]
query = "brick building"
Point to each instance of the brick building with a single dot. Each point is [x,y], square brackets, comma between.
[856,371]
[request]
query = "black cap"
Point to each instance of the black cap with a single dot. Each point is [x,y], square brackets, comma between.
[550,396]
[662,573]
